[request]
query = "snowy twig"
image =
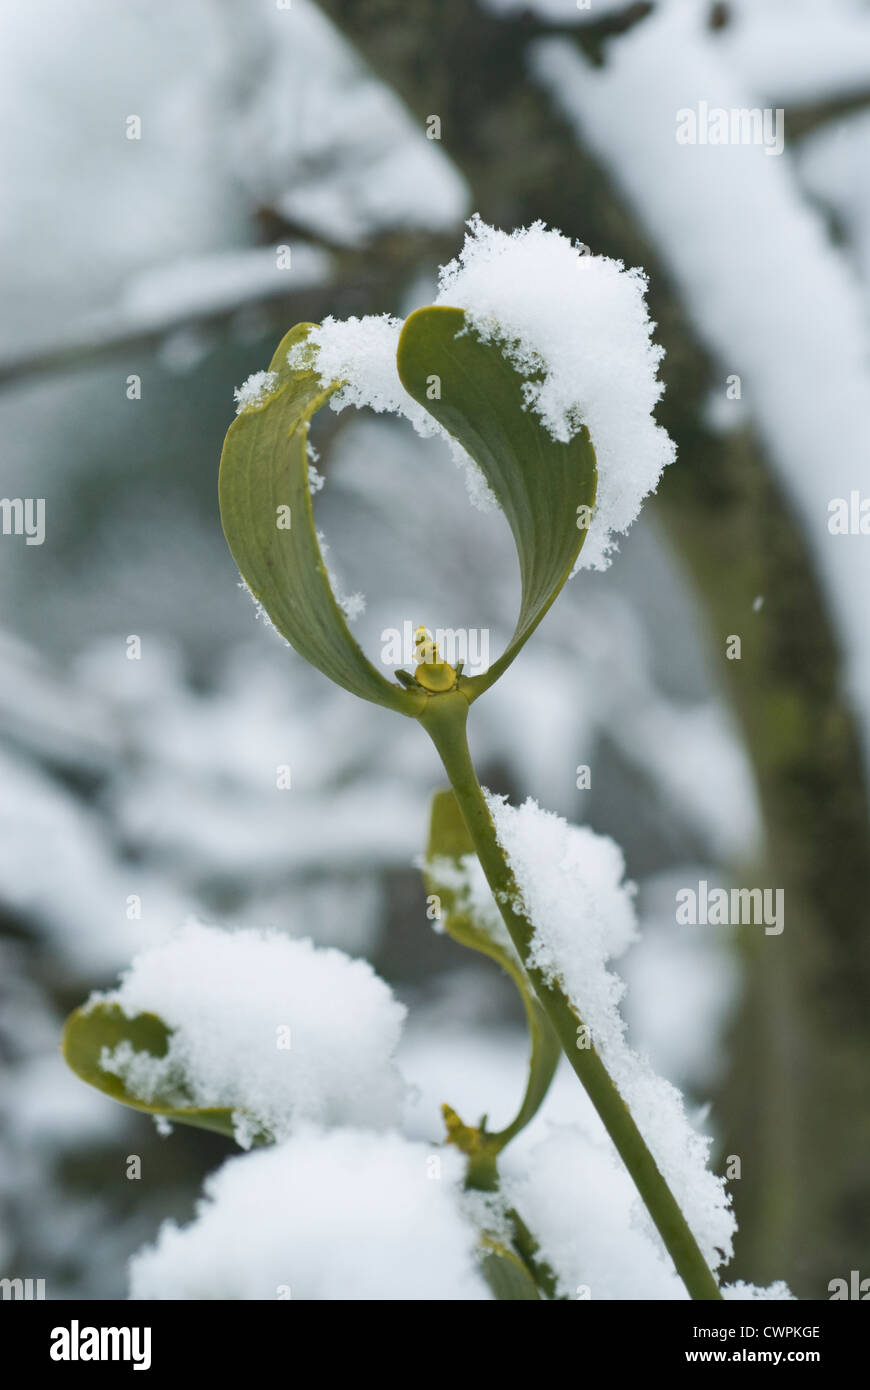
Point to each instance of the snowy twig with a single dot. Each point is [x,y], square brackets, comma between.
[445,720]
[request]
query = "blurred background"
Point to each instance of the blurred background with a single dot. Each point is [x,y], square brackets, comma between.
[157,159]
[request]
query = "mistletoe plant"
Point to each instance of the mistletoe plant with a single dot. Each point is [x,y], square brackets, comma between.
[477,373]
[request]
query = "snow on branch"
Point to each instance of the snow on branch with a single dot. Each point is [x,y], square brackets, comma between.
[572,889]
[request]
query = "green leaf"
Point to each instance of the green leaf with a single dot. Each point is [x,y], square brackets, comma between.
[89,1030]
[538,482]
[264,467]
[449,840]
[507,1276]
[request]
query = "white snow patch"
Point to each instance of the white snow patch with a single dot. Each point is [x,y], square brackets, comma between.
[218,282]
[559,12]
[798,51]
[255,391]
[353,606]
[572,891]
[576,327]
[232,1000]
[465,878]
[341,1216]
[579,1200]
[740,1291]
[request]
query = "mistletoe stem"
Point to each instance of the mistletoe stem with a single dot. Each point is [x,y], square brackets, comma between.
[444,718]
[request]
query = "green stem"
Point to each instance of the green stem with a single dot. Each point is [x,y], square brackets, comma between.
[444,719]
[481,1175]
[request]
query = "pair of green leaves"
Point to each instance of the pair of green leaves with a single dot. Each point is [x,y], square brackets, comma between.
[546,490]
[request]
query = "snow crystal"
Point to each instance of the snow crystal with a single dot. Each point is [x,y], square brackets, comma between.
[271,1222]
[353,606]
[316,480]
[262,615]
[361,354]
[255,391]
[572,891]
[576,327]
[277,1030]
[741,1291]
[465,878]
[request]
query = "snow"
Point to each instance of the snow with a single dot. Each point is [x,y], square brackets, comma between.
[43,1111]
[768,294]
[230,999]
[255,391]
[465,878]
[741,1291]
[353,606]
[569,876]
[361,353]
[242,111]
[574,325]
[217,282]
[572,892]
[339,1216]
[683,985]
[577,1198]
[827,161]
[326,143]
[799,51]
[57,870]
[556,11]
[561,1172]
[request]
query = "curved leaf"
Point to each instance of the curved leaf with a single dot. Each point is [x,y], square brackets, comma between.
[264,468]
[89,1030]
[538,482]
